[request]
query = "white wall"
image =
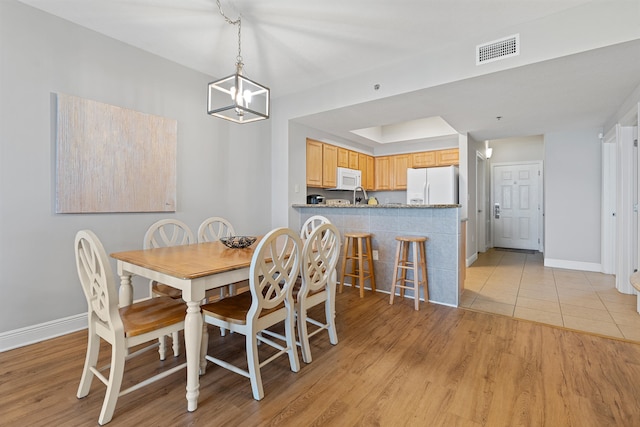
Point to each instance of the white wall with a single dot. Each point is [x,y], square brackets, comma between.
[593,25]
[222,168]
[572,173]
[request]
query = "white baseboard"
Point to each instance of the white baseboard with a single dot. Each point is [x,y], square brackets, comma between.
[473,258]
[573,265]
[44,331]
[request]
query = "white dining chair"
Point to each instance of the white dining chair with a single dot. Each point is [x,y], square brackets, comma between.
[123,328]
[211,230]
[318,270]
[163,233]
[316,285]
[274,269]
[311,223]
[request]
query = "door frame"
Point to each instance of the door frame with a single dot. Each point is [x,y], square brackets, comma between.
[482,205]
[540,165]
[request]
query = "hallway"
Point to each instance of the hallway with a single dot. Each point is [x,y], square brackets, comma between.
[518,285]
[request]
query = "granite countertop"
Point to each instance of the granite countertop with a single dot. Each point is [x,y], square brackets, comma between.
[387,206]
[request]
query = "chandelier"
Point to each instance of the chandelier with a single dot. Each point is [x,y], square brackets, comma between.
[235,97]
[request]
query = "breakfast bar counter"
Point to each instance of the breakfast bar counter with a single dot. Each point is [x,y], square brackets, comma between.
[441,224]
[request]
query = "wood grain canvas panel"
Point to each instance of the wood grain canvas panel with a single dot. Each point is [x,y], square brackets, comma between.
[111,159]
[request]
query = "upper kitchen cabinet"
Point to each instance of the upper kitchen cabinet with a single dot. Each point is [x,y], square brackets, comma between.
[400,164]
[383,172]
[424,159]
[314,163]
[329,165]
[366,166]
[353,160]
[447,157]
[343,157]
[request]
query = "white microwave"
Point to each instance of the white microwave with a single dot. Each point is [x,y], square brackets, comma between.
[348,179]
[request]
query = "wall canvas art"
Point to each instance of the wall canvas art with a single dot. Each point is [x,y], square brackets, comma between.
[111,159]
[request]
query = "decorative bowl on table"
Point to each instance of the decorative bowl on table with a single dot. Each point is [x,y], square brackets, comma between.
[238,242]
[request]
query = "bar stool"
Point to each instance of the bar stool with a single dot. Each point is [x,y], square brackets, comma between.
[417,264]
[360,244]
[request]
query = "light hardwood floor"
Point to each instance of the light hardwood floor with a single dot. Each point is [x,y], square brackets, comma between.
[393,366]
[519,285]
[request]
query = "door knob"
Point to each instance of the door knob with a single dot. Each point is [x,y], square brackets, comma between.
[496,211]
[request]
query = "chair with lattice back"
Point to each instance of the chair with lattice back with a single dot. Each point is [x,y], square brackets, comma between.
[274,269]
[318,270]
[123,328]
[311,223]
[163,233]
[211,230]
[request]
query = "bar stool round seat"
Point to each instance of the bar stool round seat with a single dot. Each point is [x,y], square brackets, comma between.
[417,264]
[358,250]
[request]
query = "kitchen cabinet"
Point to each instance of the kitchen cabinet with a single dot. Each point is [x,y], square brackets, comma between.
[448,157]
[314,163]
[383,173]
[424,159]
[353,160]
[366,167]
[399,168]
[378,173]
[329,165]
[343,157]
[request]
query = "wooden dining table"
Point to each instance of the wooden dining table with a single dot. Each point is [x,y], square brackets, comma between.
[193,269]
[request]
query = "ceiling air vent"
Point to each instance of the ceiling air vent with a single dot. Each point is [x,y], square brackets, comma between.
[498,49]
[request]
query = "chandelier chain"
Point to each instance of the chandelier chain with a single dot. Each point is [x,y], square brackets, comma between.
[237,22]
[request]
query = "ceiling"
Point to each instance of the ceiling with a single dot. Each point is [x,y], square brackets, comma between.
[295,45]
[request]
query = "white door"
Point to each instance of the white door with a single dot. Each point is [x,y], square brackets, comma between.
[516,206]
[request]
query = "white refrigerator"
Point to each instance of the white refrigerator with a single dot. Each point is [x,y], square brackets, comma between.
[432,186]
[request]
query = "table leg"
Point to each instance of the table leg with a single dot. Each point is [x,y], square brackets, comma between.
[125,296]
[192,339]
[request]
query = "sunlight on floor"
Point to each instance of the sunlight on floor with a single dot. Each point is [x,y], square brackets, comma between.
[519,285]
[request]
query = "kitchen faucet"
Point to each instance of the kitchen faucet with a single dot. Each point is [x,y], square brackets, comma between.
[363,192]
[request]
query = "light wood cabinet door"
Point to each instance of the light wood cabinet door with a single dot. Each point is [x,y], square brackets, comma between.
[353,160]
[424,159]
[343,157]
[366,167]
[314,163]
[448,157]
[371,173]
[383,173]
[329,165]
[399,167]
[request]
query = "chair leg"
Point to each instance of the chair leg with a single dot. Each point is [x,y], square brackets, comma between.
[361,267]
[330,316]
[115,382]
[204,344]
[303,333]
[423,268]
[90,361]
[345,249]
[176,344]
[290,335]
[254,365]
[416,277]
[372,275]
[162,348]
[395,274]
[403,259]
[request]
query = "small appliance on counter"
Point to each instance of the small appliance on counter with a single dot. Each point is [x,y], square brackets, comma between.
[337,202]
[315,199]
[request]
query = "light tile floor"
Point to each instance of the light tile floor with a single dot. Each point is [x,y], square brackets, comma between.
[519,285]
